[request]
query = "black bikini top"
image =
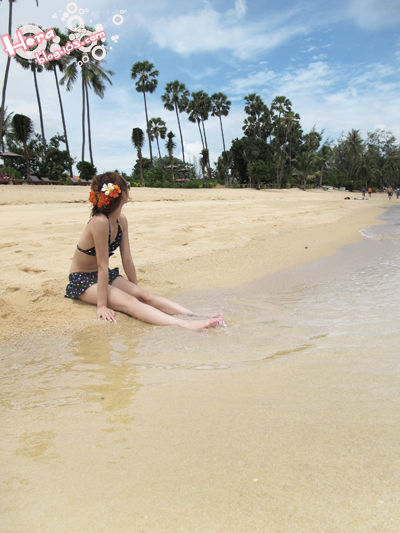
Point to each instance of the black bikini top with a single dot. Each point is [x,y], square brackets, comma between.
[112,246]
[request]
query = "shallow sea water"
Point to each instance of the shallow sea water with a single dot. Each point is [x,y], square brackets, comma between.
[128,405]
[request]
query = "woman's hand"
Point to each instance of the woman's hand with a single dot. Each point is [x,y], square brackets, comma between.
[106,314]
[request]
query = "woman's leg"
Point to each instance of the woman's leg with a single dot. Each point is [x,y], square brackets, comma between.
[159,302]
[126,303]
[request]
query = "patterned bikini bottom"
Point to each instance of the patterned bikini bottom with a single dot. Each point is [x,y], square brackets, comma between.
[80,281]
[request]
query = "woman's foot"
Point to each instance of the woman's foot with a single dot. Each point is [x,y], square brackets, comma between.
[197,325]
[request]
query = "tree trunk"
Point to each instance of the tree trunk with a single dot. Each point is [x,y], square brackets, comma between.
[62,116]
[180,132]
[201,135]
[27,163]
[39,104]
[141,167]
[171,162]
[158,146]
[83,119]
[204,131]
[88,124]
[208,153]
[3,95]
[147,126]
[222,133]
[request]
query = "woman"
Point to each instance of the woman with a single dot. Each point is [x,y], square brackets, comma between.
[92,281]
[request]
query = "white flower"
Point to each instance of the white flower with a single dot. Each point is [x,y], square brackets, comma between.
[107,188]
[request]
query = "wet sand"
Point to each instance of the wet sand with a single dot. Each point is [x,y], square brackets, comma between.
[273,424]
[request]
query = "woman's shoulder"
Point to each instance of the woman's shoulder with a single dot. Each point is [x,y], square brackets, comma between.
[123,220]
[99,222]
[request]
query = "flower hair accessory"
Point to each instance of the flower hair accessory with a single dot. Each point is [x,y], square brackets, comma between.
[105,196]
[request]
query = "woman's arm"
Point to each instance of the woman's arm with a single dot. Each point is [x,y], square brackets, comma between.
[100,231]
[126,256]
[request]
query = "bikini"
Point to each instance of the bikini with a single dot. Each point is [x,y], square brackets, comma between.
[112,246]
[80,281]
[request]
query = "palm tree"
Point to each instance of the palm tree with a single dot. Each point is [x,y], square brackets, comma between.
[194,116]
[5,132]
[199,108]
[355,147]
[323,156]
[250,155]
[22,129]
[170,145]
[93,76]
[258,120]
[176,97]
[138,140]
[34,67]
[158,129]
[220,108]
[305,163]
[146,83]
[281,109]
[3,95]
[5,81]
[204,160]
[61,65]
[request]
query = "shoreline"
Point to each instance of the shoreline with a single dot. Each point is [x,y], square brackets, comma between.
[181,240]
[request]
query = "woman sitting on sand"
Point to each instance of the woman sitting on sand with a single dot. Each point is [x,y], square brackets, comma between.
[92,281]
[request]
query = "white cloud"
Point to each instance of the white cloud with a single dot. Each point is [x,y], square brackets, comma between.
[331,97]
[201,74]
[251,83]
[207,30]
[374,14]
[239,10]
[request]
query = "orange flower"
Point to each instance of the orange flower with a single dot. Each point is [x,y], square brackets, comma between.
[92,197]
[116,191]
[103,200]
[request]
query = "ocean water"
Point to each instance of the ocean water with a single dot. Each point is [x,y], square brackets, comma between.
[339,304]
[301,384]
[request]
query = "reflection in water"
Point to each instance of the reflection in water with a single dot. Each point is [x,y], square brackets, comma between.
[52,383]
[110,379]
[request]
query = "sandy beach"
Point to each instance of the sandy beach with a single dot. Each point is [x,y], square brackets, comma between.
[286,420]
[181,239]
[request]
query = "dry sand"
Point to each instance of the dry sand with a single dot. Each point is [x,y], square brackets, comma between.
[181,239]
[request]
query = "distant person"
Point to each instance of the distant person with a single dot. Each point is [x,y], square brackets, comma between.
[92,281]
[397,192]
[369,191]
[390,192]
[363,192]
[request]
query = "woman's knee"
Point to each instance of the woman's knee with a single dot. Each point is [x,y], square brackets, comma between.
[120,300]
[144,296]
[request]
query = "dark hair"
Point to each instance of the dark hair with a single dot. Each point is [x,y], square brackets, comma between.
[97,184]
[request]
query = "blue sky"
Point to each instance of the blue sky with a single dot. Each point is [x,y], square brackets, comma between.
[338,61]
